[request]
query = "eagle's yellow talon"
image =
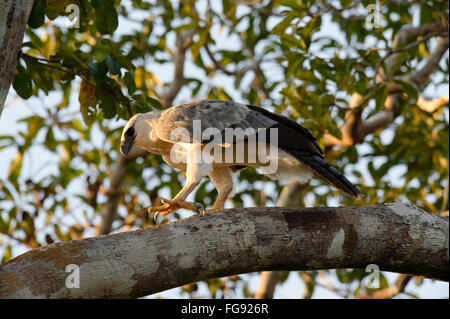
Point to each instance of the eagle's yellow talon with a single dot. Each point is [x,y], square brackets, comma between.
[169,206]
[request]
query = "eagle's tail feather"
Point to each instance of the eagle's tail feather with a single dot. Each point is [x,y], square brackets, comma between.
[327,172]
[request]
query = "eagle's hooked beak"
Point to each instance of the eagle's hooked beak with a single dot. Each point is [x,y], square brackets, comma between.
[127,142]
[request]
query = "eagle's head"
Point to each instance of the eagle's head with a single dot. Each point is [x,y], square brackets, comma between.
[137,131]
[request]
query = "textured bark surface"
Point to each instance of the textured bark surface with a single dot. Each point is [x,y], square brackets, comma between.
[13,21]
[396,237]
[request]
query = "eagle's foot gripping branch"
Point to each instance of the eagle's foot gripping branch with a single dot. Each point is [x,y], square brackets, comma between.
[169,206]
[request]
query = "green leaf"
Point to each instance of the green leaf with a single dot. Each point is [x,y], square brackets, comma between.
[281,27]
[88,113]
[113,66]
[108,106]
[55,8]
[40,74]
[154,102]
[22,82]
[294,4]
[6,141]
[291,41]
[105,16]
[380,97]
[129,82]
[36,42]
[7,254]
[15,167]
[98,70]
[37,14]
[50,141]
[139,107]
[408,89]
[88,102]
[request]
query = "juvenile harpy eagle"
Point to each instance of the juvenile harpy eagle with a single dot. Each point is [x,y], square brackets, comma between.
[297,153]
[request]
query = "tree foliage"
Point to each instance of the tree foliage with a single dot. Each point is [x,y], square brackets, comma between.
[307,60]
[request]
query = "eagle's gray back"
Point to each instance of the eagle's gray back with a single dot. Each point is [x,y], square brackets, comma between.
[211,114]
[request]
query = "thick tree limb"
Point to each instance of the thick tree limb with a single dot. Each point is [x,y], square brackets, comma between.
[396,237]
[13,21]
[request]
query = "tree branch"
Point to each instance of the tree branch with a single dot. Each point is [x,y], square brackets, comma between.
[183,41]
[13,21]
[109,210]
[384,118]
[431,106]
[216,63]
[432,63]
[387,293]
[354,131]
[267,283]
[351,130]
[396,237]
[408,33]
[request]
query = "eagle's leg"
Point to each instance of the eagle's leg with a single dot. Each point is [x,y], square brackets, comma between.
[176,203]
[223,180]
[194,175]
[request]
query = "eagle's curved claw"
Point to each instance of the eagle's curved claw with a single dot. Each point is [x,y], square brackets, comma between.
[155,215]
[169,206]
[200,209]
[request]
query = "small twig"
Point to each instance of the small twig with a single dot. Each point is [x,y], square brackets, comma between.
[183,41]
[48,65]
[216,63]
[399,50]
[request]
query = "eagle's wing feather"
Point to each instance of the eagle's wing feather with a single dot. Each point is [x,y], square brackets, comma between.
[298,141]
[291,135]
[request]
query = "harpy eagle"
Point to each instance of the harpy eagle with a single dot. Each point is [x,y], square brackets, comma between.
[178,134]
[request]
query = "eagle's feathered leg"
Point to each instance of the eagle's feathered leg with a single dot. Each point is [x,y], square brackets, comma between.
[195,173]
[223,180]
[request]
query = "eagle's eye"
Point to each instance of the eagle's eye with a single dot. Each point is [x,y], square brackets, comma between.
[130,131]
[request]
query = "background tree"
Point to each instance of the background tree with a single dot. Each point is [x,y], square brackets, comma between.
[370,84]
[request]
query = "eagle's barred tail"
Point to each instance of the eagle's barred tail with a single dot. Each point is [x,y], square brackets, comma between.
[328,173]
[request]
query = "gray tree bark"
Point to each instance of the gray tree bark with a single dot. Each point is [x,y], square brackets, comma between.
[396,237]
[13,21]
